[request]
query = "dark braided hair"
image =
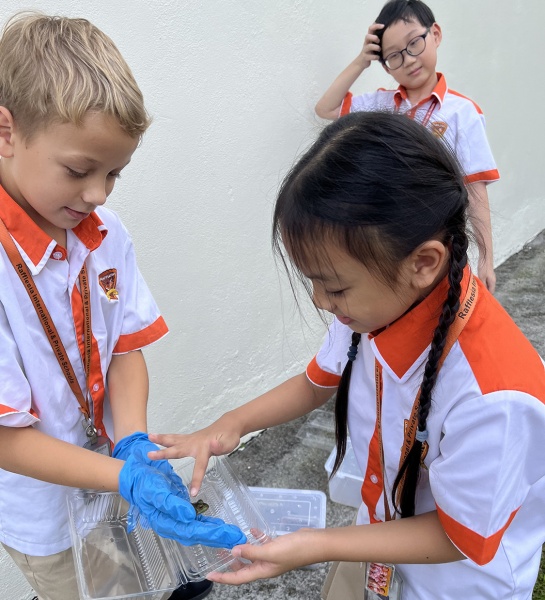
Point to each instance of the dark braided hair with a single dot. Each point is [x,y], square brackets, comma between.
[377,185]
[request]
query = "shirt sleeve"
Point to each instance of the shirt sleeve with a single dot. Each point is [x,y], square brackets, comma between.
[379,100]
[15,395]
[491,454]
[471,146]
[326,368]
[142,322]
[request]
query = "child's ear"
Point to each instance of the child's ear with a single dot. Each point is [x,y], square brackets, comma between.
[437,34]
[6,133]
[427,262]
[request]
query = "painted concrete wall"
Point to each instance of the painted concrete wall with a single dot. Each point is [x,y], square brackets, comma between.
[231,87]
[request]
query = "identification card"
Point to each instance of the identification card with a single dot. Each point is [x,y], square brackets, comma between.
[101,445]
[382,582]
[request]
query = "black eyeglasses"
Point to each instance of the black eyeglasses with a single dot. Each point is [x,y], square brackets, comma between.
[415,47]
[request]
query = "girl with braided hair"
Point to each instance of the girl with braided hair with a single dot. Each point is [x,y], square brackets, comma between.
[442,394]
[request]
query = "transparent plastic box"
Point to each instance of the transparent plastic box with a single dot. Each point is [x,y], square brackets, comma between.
[288,510]
[345,485]
[112,563]
[318,431]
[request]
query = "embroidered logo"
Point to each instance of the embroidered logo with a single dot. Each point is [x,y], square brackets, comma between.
[438,128]
[108,281]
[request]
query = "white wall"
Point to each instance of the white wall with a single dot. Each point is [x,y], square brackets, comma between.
[231,86]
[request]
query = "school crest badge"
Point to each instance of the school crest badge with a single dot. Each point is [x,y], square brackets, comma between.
[108,281]
[439,128]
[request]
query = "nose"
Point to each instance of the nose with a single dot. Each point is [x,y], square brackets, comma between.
[409,59]
[322,301]
[96,193]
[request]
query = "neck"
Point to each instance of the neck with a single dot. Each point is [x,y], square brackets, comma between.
[424,91]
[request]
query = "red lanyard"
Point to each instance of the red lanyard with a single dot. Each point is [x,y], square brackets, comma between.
[411,113]
[51,331]
[462,317]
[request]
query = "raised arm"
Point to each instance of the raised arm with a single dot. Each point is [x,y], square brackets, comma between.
[290,400]
[329,105]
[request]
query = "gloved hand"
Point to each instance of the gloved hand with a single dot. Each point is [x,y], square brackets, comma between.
[166,508]
[138,444]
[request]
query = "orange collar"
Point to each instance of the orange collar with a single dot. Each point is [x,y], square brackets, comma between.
[34,242]
[402,347]
[439,91]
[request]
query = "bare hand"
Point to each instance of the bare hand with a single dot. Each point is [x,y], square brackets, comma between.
[371,45]
[272,559]
[214,440]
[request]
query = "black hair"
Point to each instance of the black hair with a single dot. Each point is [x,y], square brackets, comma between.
[378,185]
[406,11]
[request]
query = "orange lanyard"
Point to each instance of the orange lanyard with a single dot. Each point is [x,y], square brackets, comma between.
[462,317]
[51,331]
[411,113]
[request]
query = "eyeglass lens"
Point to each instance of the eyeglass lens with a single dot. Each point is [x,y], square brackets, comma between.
[415,47]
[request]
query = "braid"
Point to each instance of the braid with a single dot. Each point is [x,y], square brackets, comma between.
[409,472]
[341,404]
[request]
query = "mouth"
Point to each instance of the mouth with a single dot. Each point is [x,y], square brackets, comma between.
[415,71]
[344,320]
[75,214]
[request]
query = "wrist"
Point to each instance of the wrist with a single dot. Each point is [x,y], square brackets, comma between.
[361,62]
[233,423]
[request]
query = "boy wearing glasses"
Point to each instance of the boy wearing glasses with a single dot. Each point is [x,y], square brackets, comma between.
[404,39]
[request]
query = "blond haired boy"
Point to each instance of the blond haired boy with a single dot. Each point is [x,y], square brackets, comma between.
[74,309]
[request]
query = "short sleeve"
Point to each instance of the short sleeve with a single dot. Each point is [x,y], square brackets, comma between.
[15,395]
[471,146]
[491,454]
[379,100]
[326,368]
[142,323]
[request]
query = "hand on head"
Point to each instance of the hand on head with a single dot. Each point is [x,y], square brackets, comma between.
[371,45]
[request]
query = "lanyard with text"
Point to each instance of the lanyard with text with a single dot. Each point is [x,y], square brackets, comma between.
[462,317]
[51,331]
[411,113]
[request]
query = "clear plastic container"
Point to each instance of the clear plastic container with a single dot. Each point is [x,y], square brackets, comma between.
[112,563]
[318,431]
[345,485]
[288,510]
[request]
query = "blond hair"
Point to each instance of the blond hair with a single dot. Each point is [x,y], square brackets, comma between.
[57,69]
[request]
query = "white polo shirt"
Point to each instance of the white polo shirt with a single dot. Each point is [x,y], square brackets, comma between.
[449,115]
[33,389]
[485,467]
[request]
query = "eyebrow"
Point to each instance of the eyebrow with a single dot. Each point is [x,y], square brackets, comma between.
[91,161]
[321,277]
[408,37]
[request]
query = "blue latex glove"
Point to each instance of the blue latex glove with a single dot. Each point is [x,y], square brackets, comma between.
[138,443]
[165,507]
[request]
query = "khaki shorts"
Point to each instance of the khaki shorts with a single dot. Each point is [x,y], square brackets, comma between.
[51,577]
[345,581]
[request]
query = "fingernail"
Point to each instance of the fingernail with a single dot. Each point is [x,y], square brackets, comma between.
[194,491]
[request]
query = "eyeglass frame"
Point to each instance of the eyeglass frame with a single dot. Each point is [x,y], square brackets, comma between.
[406,49]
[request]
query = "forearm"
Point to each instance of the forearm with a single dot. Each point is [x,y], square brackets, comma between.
[417,540]
[290,400]
[329,105]
[479,216]
[30,452]
[128,386]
